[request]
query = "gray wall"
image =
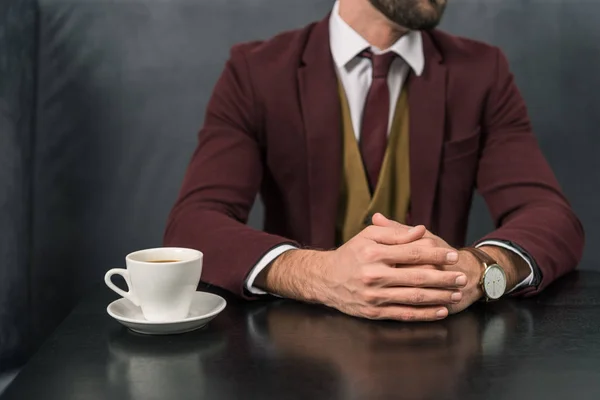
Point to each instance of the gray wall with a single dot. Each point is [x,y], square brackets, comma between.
[121,91]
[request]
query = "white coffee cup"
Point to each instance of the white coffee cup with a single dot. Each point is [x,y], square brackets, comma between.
[161,281]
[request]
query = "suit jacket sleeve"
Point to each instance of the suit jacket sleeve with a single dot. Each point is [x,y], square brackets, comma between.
[222,182]
[522,194]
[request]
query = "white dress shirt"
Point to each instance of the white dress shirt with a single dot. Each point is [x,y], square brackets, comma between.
[355,73]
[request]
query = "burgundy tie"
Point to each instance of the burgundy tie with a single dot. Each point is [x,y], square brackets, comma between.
[374,131]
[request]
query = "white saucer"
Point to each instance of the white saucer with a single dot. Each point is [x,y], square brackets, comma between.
[205,306]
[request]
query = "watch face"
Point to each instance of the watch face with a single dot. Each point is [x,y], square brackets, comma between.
[494,282]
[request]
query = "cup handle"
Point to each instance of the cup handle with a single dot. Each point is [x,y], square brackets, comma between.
[125,274]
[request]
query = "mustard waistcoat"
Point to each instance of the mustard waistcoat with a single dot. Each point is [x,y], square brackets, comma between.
[392,194]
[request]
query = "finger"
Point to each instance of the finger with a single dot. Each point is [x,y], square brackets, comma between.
[426,241]
[381,220]
[406,313]
[415,255]
[422,278]
[420,296]
[411,296]
[392,236]
[425,266]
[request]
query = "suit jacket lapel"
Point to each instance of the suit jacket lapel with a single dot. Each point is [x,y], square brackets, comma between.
[427,99]
[322,120]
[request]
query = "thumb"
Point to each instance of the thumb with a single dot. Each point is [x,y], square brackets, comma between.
[380,220]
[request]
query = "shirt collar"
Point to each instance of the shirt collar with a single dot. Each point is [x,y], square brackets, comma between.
[346,44]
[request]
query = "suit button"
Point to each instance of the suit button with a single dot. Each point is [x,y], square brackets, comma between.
[368,220]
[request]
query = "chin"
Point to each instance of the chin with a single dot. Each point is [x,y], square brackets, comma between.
[435,3]
[431,12]
[412,14]
[433,8]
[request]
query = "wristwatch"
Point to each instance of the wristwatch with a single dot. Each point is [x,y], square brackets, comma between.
[493,279]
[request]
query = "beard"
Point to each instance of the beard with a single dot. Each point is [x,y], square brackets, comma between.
[412,14]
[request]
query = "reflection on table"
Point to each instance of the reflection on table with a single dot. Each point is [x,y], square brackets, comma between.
[377,359]
[147,367]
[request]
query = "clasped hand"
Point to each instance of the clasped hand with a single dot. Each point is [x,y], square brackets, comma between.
[391,271]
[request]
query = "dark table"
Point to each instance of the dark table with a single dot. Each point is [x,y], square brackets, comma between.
[543,348]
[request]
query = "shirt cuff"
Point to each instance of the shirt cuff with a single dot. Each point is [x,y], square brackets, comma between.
[262,264]
[525,282]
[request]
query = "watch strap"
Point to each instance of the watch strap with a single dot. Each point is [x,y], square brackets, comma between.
[481,255]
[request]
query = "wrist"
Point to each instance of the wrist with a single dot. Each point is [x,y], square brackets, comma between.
[294,275]
[474,273]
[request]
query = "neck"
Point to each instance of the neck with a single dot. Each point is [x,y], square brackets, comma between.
[370,23]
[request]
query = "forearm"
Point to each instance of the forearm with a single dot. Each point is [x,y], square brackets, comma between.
[230,247]
[296,274]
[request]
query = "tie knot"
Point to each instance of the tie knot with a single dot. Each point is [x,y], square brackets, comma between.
[381,62]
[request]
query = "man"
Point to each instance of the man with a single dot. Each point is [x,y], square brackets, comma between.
[372,112]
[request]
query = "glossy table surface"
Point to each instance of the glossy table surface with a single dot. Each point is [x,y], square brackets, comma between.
[542,348]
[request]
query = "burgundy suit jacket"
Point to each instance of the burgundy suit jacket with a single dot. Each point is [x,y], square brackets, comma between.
[273,125]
